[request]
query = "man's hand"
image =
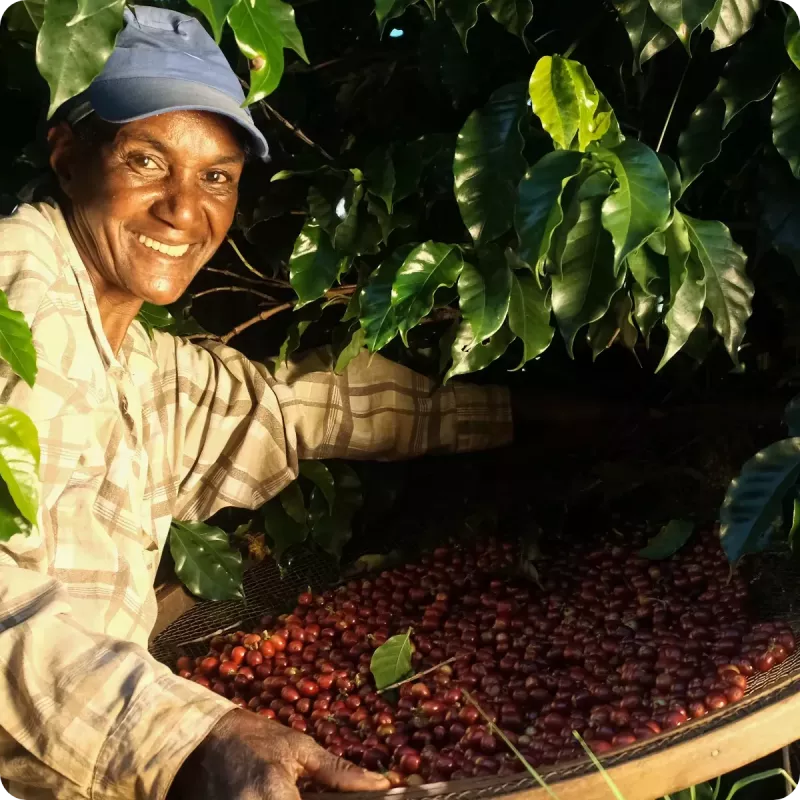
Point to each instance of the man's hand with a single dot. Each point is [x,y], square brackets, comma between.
[248,757]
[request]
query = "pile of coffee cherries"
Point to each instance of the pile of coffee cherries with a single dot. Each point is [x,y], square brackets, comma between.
[608,644]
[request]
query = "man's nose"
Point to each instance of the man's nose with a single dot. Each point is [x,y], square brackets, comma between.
[179,203]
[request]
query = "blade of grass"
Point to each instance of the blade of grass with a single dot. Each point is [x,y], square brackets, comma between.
[715,795]
[524,761]
[611,785]
[761,776]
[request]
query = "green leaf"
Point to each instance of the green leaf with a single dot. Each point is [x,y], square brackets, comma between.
[358,232]
[484,291]
[70,56]
[472,355]
[648,34]
[333,528]
[27,15]
[314,264]
[282,530]
[674,178]
[294,503]
[683,16]
[754,499]
[408,164]
[513,15]
[641,202]
[283,18]
[786,118]
[319,474]
[615,326]
[488,164]
[216,12]
[582,292]
[355,343]
[386,10]
[529,315]
[301,319]
[380,175]
[428,267]
[16,342]
[391,662]
[259,36]
[730,20]
[464,15]
[645,311]
[538,211]
[687,287]
[155,317]
[378,319]
[19,460]
[668,540]
[729,292]
[569,105]
[205,561]
[791,38]
[11,521]
[650,270]
[761,776]
[701,141]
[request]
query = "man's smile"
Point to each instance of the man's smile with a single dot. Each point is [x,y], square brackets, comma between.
[176,251]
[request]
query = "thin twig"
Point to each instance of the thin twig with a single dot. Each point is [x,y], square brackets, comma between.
[419,675]
[672,107]
[234,289]
[264,315]
[295,130]
[245,261]
[230,274]
[787,766]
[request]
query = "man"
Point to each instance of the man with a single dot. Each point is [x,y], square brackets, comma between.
[136,431]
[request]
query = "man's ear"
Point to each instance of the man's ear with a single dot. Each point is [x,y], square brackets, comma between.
[63,150]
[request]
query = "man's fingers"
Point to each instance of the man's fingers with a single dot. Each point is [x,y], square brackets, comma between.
[339,774]
[278,785]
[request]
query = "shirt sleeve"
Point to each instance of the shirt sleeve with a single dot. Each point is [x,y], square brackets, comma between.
[82,714]
[240,431]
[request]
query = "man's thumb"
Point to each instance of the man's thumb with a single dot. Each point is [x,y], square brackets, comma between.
[339,774]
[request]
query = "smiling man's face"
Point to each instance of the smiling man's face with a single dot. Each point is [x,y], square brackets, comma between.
[150,208]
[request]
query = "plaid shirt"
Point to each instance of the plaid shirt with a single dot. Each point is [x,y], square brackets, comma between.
[165,428]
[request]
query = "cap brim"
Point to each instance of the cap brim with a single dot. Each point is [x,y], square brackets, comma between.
[129,99]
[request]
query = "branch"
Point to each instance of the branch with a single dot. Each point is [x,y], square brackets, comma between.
[419,674]
[264,315]
[230,274]
[246,262]
[234,289]
[295,130]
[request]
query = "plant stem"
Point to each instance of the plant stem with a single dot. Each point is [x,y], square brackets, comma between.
[247,289]
[611,785]
[295,130]
[245,261]
[672,107]
[524,761]
[264,315]
[418,675]
[229,274]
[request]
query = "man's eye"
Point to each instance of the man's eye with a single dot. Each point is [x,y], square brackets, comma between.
[143,162]
[215,176]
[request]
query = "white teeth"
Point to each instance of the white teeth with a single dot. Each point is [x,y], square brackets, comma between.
[176,251]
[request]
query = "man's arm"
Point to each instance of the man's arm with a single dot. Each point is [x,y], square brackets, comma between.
[239,432]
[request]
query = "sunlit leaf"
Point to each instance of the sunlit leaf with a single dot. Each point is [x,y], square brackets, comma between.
[472,355]
[730,20]
[683,16]
[791,38]
[16,342]
[648,34]
[205,561]
[650,270]
[645,311]
[216,12]
[391,662]
[786,118]
[314,264]
[347,349]
[484,291]
[427,268]
[488,164]
[378,318]
[615,326]
[529,315]
[19,460]
[11,520]
[283,18]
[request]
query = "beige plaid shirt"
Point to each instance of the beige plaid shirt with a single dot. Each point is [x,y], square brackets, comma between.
[165,428]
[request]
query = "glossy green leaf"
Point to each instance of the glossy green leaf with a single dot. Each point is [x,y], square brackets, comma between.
[386,10]
[69,56]
[283,18]
[648,34]
[19,460]
[155,317]
[391,662]
[791,38]
[529,315]
[259,36]
[319,474]
[754,499]
[687,287]
[350,347]
[27,15]
[538,211]
[675,181]
[671,538]
[358,232]
[294,503]
[205,562]
[650,270]
[11,521]
[730,20]
[645,311]
[314,264]
[641,202]
[378,319]
[380,175]
[615,326]
[513,15]
[700,143]
[582,292]
[464,15]
[333,528]
[428,267]
[16,342]
[216,12]
[484,291]
[729,291]
[683,16]
[488,164]
[472,355]
[282,530]
[786,118]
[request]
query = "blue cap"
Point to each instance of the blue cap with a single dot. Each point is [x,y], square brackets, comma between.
[166,61]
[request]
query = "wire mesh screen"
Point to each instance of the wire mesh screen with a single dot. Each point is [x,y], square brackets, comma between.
[775,595]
